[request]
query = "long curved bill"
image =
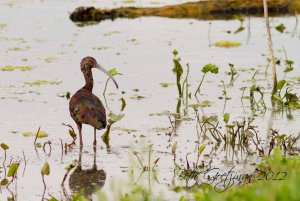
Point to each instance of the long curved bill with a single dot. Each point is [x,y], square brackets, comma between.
[109,75]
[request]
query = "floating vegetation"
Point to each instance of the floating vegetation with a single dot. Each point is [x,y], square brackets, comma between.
[40,134]
[205,103]
[111,33]
[13,68]
[137,97]
[5,39]
[66,95]
[161,129]
[164,113]
[50,59]
[166,84]
[101,48]
[280,28]
[127,130]
[227,44]
[42,82]
[18,49]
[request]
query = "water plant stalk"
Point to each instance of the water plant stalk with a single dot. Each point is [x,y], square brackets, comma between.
[274,74]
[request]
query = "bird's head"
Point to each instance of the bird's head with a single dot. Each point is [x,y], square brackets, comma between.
[87,63]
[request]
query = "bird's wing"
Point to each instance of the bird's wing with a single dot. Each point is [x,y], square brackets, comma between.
[88,109]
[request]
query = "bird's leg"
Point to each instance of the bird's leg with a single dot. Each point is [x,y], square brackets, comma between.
[95,141]
[79,125]
[95,154]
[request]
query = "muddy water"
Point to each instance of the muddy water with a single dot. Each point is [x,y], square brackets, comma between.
[40,34]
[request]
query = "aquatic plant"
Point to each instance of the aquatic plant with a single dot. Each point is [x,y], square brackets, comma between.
[45,171]
[274,74]
[112,72]
[208,68]
[178,70]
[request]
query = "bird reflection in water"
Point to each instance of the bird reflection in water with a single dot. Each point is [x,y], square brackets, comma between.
[87,181]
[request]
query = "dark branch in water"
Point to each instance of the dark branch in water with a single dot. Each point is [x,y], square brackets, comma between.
[205,10]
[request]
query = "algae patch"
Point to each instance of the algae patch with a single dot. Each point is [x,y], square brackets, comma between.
[227,44]
[13,68]
[42,82]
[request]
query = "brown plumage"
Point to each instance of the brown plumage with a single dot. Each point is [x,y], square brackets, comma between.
[84,106]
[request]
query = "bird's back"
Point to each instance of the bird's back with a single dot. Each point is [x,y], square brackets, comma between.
[87,108]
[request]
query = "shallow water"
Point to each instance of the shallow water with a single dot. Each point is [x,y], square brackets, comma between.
[40,34]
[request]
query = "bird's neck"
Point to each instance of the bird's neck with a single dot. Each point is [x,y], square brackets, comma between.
[89,82]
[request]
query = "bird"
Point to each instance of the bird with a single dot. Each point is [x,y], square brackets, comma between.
[84,106]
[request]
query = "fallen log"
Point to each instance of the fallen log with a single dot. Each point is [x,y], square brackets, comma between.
[205,10]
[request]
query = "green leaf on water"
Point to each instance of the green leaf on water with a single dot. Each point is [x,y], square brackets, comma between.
[4,146]
[71,166]
[280,28]
[165,84]
[27,134]
[227,44]
[210,68]
[226,117]
[45,169]
[42,134]
[114,72]
[13,169]
[4,182]
[113,118]
[201,149]
[240,29]
[38,145]
[280,84]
